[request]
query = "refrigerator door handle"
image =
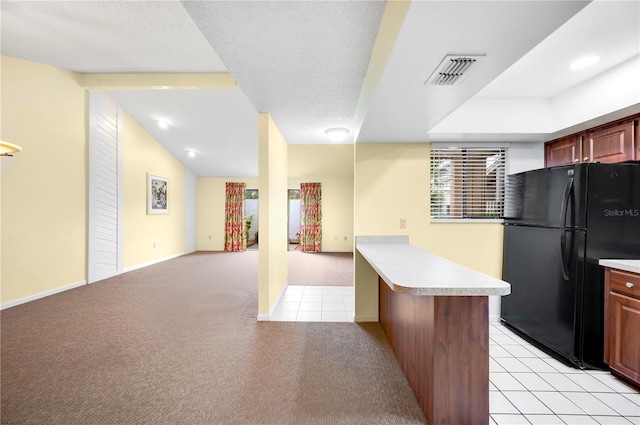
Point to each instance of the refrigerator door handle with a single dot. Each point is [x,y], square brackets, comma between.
[568,190]
[564,261]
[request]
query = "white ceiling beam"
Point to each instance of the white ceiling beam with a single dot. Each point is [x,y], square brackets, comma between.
[392,20]
[158,81]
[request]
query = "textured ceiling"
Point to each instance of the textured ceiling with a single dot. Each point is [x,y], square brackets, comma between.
[303,62]
[306,62]
[107,36]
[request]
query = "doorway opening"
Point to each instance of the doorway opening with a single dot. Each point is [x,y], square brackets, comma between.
[251,202]
[293,212]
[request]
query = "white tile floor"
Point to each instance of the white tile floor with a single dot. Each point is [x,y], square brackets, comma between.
[315,304]
[527,385]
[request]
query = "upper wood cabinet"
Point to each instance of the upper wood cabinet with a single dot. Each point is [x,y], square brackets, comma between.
[609,145]
[613,142]
[563,151]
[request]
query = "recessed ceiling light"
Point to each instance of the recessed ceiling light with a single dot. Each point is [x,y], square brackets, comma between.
[337,134]
[584,62]
[163,124]
[191,154]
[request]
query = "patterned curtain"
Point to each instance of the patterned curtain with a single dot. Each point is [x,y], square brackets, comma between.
[234,229]
[310,217]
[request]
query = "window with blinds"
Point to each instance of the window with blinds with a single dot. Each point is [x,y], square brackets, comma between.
[467,183]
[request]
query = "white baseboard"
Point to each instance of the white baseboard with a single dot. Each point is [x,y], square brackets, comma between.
[492,319]
[367,318]
[84,282]
[41,295]
[108,276]
[267,317]
[350,251]
[152,262]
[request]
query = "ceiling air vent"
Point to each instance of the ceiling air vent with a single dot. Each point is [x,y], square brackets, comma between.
[451,69]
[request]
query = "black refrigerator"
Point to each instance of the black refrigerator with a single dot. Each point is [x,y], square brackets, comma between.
[559,222]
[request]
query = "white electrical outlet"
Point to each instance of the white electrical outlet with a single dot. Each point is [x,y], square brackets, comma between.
[154,244]
[403,223]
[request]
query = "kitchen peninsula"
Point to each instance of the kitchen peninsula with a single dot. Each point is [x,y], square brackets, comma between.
[435,315]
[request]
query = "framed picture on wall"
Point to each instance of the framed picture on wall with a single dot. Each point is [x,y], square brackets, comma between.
[157,195]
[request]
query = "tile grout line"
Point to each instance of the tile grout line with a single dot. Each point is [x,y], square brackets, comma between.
[582,387]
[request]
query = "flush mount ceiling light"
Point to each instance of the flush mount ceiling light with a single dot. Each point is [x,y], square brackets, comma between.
[337,134]
[451,69]
[163,124]
[7,149]
[191,154]
[584,62]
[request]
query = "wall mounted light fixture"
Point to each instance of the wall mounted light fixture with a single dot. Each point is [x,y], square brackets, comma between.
[8,149]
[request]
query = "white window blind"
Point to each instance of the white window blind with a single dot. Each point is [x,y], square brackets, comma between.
[467,183]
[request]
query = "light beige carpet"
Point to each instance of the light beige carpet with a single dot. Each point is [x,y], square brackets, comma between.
[320,268]
[178,343]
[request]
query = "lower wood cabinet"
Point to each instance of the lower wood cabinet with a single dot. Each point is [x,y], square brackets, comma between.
[622,324]
[442,345]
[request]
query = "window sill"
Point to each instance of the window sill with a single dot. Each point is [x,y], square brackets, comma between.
[468,220]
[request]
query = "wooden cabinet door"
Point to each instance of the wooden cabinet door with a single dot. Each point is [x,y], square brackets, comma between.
[562,151]
[609,145]
[624,335]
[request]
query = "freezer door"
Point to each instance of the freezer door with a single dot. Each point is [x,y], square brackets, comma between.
[543,300]
[549,197]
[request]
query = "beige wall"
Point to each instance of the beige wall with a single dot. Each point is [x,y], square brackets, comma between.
[44,191]
[337,214]
[272,257]
[332,166]
[211,200]
[307,161]
[44,188]
[142,155]
[44,195]
[392,182]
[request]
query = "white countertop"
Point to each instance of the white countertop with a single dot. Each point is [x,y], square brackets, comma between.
[411,270]
[632,266]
